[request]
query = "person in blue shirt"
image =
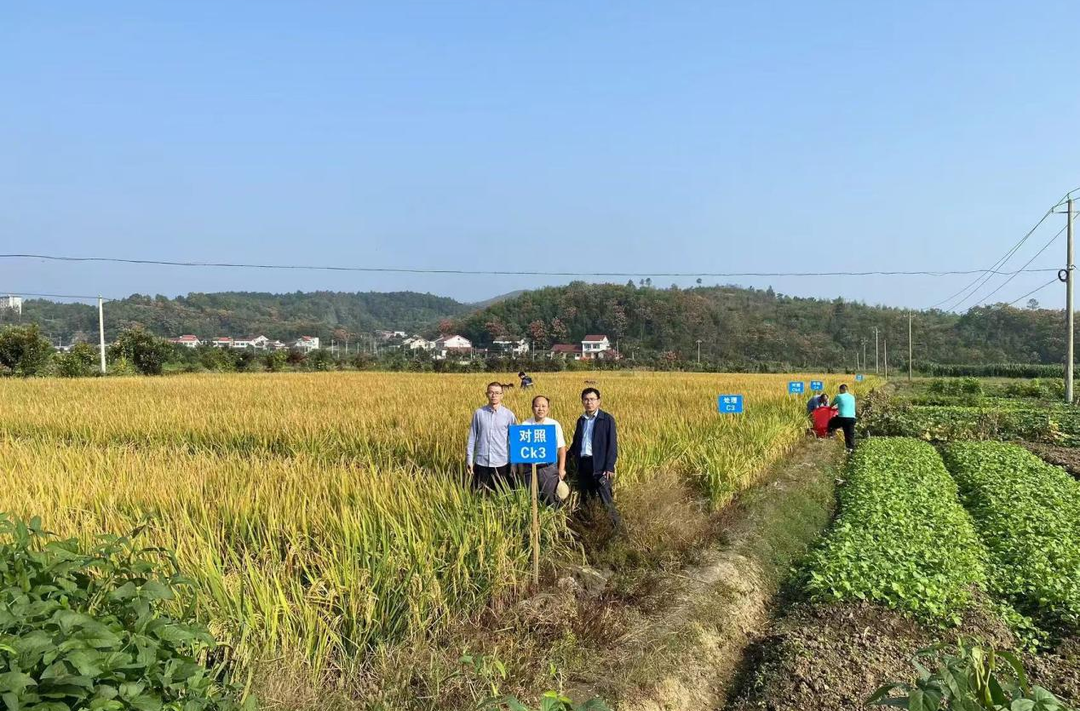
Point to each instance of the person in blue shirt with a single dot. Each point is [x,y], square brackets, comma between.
[844,403]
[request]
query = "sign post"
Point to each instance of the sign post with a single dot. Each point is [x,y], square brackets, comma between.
[730,404]
[534,444]
[796,387]
[817,385]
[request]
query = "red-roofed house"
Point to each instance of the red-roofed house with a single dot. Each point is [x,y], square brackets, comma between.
[188,341]
[566,350]
[221,342]
[305,344]
[596,347]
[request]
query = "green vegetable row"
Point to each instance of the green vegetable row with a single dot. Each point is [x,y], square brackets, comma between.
[902,538]
[1027,513]
[952,423]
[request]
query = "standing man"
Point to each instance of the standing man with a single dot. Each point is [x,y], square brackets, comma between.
[487,455]
[844,403]
[550,474]
[595,449]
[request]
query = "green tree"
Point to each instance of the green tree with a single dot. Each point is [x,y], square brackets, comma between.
[24,351]
[146,352]
[78,362]
[275,361]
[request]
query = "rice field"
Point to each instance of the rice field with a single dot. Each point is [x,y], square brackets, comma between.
[323,516]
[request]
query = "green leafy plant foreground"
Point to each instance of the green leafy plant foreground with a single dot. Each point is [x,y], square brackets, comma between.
[1051,425]
[1027,512]
[969,677]
[550,701]
[902,538]
[87,629]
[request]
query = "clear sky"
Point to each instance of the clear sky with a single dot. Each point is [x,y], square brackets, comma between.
[610,136]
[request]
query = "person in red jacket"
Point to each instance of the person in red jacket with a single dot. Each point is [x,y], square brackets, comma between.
[821,416]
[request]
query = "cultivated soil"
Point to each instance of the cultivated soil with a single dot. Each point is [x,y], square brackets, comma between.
[1065,457]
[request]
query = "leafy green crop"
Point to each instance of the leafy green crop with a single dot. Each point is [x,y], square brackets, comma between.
[1027,512]
[86,629]
[1051,425]
[901,539]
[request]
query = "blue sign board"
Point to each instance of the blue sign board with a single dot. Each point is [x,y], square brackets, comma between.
[533,444]
[817,385]
[858,378]
[732,404]
[796,387]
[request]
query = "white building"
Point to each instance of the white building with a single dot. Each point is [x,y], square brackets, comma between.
[256,342]
[11,302]
[596,347]
[305,344]
[222,342]
[187,341]
[517,347]
[418,343]
[452,345]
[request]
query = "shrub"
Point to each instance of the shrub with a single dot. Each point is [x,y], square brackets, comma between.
[24,351]
[88,628]
[146,352]
[901,539]
[79,362]
[1027,512]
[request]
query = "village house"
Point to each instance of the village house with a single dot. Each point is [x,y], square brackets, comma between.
[596,347]
[14,303]
[511,346]
[187,341]
[222,342]
[565,350]
[452,346]
[418,343]
[305,344]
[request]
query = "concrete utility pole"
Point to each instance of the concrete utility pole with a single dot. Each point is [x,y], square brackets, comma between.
[698,351]
[885,348]
[876,370]
[910,349]
[1069,268]
[101,331]
[864,354]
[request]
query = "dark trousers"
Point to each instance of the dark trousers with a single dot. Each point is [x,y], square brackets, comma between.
[596,484]
[547,478]
[848,425]
[491,478]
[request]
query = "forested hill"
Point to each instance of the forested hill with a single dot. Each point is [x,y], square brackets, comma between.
[280,316]
[738,325]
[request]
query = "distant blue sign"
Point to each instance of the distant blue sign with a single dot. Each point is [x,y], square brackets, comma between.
[858,378]
[796,387]
[731,404]
[533,444]
[817,385]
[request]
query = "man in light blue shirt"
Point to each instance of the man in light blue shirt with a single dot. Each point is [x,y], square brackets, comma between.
[487,454]
[844,403]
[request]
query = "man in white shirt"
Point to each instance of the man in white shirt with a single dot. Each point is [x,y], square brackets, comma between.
[549,475]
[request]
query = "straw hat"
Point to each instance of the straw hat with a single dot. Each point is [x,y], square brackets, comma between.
[562,491]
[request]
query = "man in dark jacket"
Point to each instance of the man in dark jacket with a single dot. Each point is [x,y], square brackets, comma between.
[594,450]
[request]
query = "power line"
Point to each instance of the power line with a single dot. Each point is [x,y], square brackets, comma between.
[488,272]
[56,296]
[1044,247]
[1034,291]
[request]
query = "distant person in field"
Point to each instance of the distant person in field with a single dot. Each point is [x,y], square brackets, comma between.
[526,381]
[822,416]
[844,403]
[815,402]
[487,456]
[550,476]
[595,449]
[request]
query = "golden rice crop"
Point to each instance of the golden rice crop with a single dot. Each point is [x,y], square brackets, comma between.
[324,514]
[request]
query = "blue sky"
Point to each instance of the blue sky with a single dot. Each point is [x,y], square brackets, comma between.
[568,136]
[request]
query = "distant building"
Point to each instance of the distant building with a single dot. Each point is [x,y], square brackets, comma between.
[389,335]
[276,346]
[452,346]
[565,350]
[222,342]
[254,342]
[511,346]
[418,343]
[305,344]
[11,302]
[596,347]
[187,341]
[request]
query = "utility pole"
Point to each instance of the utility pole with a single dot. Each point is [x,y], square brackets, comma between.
[101,330]
[885,347]
[910,348]
[1069,268]
[698,351]
[864,354]
[876,370]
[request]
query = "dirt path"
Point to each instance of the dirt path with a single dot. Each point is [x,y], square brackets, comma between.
[685,654]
